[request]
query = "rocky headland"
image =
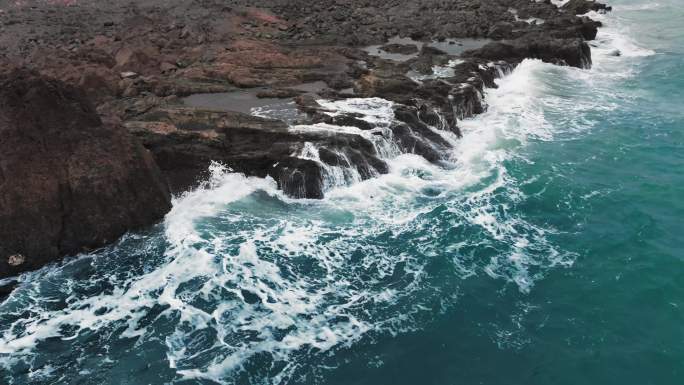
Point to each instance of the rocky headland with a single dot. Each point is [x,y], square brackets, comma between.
[106,108]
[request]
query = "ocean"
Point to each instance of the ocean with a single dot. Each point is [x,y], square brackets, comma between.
[549,251]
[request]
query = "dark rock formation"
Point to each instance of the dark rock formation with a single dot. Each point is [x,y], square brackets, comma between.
[6,288]
[580,7]
[185,141]
[572,52]
[68,180]
[415,137]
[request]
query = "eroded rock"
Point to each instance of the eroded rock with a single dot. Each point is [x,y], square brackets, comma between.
[580,7]
[185,141]
[69,181]
[571,52]
[135,62]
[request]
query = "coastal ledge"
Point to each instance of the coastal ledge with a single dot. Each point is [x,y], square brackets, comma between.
[95,131]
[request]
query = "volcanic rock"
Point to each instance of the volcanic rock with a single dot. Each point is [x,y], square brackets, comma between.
[185,142]
[68,180]
[580,7]
[571,52]
[91,180]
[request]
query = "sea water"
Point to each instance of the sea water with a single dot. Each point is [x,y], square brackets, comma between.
[549,250]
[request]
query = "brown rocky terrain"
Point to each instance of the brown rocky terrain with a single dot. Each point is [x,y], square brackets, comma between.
[69,181]
[99,78]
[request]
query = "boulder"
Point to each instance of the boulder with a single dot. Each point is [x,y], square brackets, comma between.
[69,181]
[500,30]
[144,60]
[98,82]
[572,52]
[580,7]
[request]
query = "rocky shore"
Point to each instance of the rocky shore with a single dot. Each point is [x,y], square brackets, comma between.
[106,107]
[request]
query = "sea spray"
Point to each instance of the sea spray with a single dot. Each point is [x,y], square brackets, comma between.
[242,284]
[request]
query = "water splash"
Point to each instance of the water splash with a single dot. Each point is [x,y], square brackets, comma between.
[244,284]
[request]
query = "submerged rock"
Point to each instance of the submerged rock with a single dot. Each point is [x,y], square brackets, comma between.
[93,181]
[68,181]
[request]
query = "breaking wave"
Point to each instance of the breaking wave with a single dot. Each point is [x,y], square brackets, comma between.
[242,284]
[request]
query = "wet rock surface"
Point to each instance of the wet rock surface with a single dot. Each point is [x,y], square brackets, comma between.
[573,52]
[579,7]
[254,85]
[186,141]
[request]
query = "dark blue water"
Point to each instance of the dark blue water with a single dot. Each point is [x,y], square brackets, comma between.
[551,252]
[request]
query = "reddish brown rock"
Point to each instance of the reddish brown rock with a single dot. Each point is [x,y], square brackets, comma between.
[99,81]
[68,181]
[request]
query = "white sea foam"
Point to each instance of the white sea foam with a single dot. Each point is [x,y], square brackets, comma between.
[297,279]
[438,72]
[531,20]
[614,37]
[286,111]
[637,7]
[373,110]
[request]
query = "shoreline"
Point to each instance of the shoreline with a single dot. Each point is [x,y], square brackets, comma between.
[138,84]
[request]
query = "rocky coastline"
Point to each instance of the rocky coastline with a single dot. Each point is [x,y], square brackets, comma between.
[108,108]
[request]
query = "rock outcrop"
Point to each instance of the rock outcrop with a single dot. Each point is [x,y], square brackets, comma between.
[68,180]
[573,52]
[580,7]
[185,141]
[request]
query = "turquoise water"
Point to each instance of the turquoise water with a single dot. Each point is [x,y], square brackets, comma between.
[551,252]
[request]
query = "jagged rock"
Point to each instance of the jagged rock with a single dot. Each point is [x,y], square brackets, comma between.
[348,120]
[429,58]
[501,30]
[68,181]
[580,7]
[414,135]
[572,52]
[278,44]
[185,141]
[397,87]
